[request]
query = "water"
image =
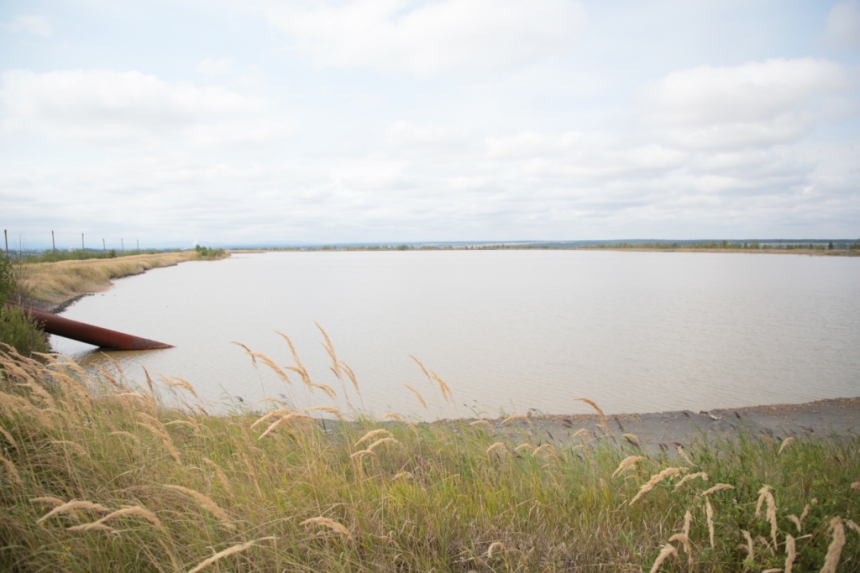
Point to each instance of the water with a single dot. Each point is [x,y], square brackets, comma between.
[508,331]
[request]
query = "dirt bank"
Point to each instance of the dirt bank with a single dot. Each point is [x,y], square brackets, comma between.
[53,287]
[664,430]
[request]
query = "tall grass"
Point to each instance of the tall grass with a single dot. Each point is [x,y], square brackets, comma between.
[60,281]
[98,474]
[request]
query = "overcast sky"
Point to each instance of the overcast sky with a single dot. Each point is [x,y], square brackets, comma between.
[222,121]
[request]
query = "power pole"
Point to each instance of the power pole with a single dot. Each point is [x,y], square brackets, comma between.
[122,245]
[83,248]
[138,244]
[53,242]
[104,247]
[6,236]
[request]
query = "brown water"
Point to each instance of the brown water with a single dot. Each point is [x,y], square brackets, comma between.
[507,330]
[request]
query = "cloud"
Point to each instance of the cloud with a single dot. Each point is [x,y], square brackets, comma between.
[843,25]
[107,108]
[425,138]
[431,38]
[215,67]
[757,103]
[30,24]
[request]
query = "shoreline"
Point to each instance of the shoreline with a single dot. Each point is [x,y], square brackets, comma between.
[54,287]
[656,432]
[768,251]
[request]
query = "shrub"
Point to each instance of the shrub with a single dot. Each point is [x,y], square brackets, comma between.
[17,328]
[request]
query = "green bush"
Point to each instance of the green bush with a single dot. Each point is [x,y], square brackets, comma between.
[21,331]
[17,328]
[208,253]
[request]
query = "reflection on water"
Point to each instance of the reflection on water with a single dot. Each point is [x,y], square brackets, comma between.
[507,330]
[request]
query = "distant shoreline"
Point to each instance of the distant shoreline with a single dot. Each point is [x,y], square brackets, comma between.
[751,251]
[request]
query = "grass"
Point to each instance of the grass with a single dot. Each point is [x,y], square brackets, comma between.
[55,256]
[58,282]
[99,474]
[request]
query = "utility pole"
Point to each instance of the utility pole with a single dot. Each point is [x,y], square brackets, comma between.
[138,244]
[53,242]
[6,236]
[122,245]
[82,243]
[104,247]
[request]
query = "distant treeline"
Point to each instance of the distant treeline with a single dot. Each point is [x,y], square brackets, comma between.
[705,245]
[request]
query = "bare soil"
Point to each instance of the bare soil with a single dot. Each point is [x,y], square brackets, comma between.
[664,431]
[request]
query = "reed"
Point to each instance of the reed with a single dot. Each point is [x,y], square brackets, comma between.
[204,502]
[388,495]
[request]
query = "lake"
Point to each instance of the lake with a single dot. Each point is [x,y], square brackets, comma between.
[508,331]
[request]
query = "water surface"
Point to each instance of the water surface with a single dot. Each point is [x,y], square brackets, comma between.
[508,331]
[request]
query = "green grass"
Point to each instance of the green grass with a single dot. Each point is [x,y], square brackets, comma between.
[433,500]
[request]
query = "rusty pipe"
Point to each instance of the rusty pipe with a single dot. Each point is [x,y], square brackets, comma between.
[83,332]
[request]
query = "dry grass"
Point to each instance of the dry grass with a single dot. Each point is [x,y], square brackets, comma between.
[57,282]
[417,497]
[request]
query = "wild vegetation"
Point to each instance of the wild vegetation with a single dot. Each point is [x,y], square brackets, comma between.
[209,254]
[101,474]
[17,327]
[53,283]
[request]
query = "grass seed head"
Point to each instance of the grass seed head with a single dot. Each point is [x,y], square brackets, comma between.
[497,446]
[709,514]
[11,470]
[206,503]
[418,395]
[700,475]
[134,510]
[790,553]
[329,523]
[483,423]
[74,506]
[382,441]
[47,500]
[627,464]
[495,546]
[667,551]
[685,543]
[655,479]
[93,527]
[794,519]
[372,434]
[716,488]
[362,453]
[222,554]
[750,544]
[785,442]
[834,550]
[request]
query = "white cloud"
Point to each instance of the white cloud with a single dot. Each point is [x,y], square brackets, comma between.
[30,24]
[843,25]
[406,135]
[757,103]
[431,38]
[214,67]
[109,107]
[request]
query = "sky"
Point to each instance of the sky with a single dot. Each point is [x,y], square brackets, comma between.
[335,121]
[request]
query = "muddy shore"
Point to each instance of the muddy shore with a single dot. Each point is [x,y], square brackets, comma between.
[663,431]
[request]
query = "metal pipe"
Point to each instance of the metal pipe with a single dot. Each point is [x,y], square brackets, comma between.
[95,335]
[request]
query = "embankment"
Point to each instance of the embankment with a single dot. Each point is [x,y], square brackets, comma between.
[53,286]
